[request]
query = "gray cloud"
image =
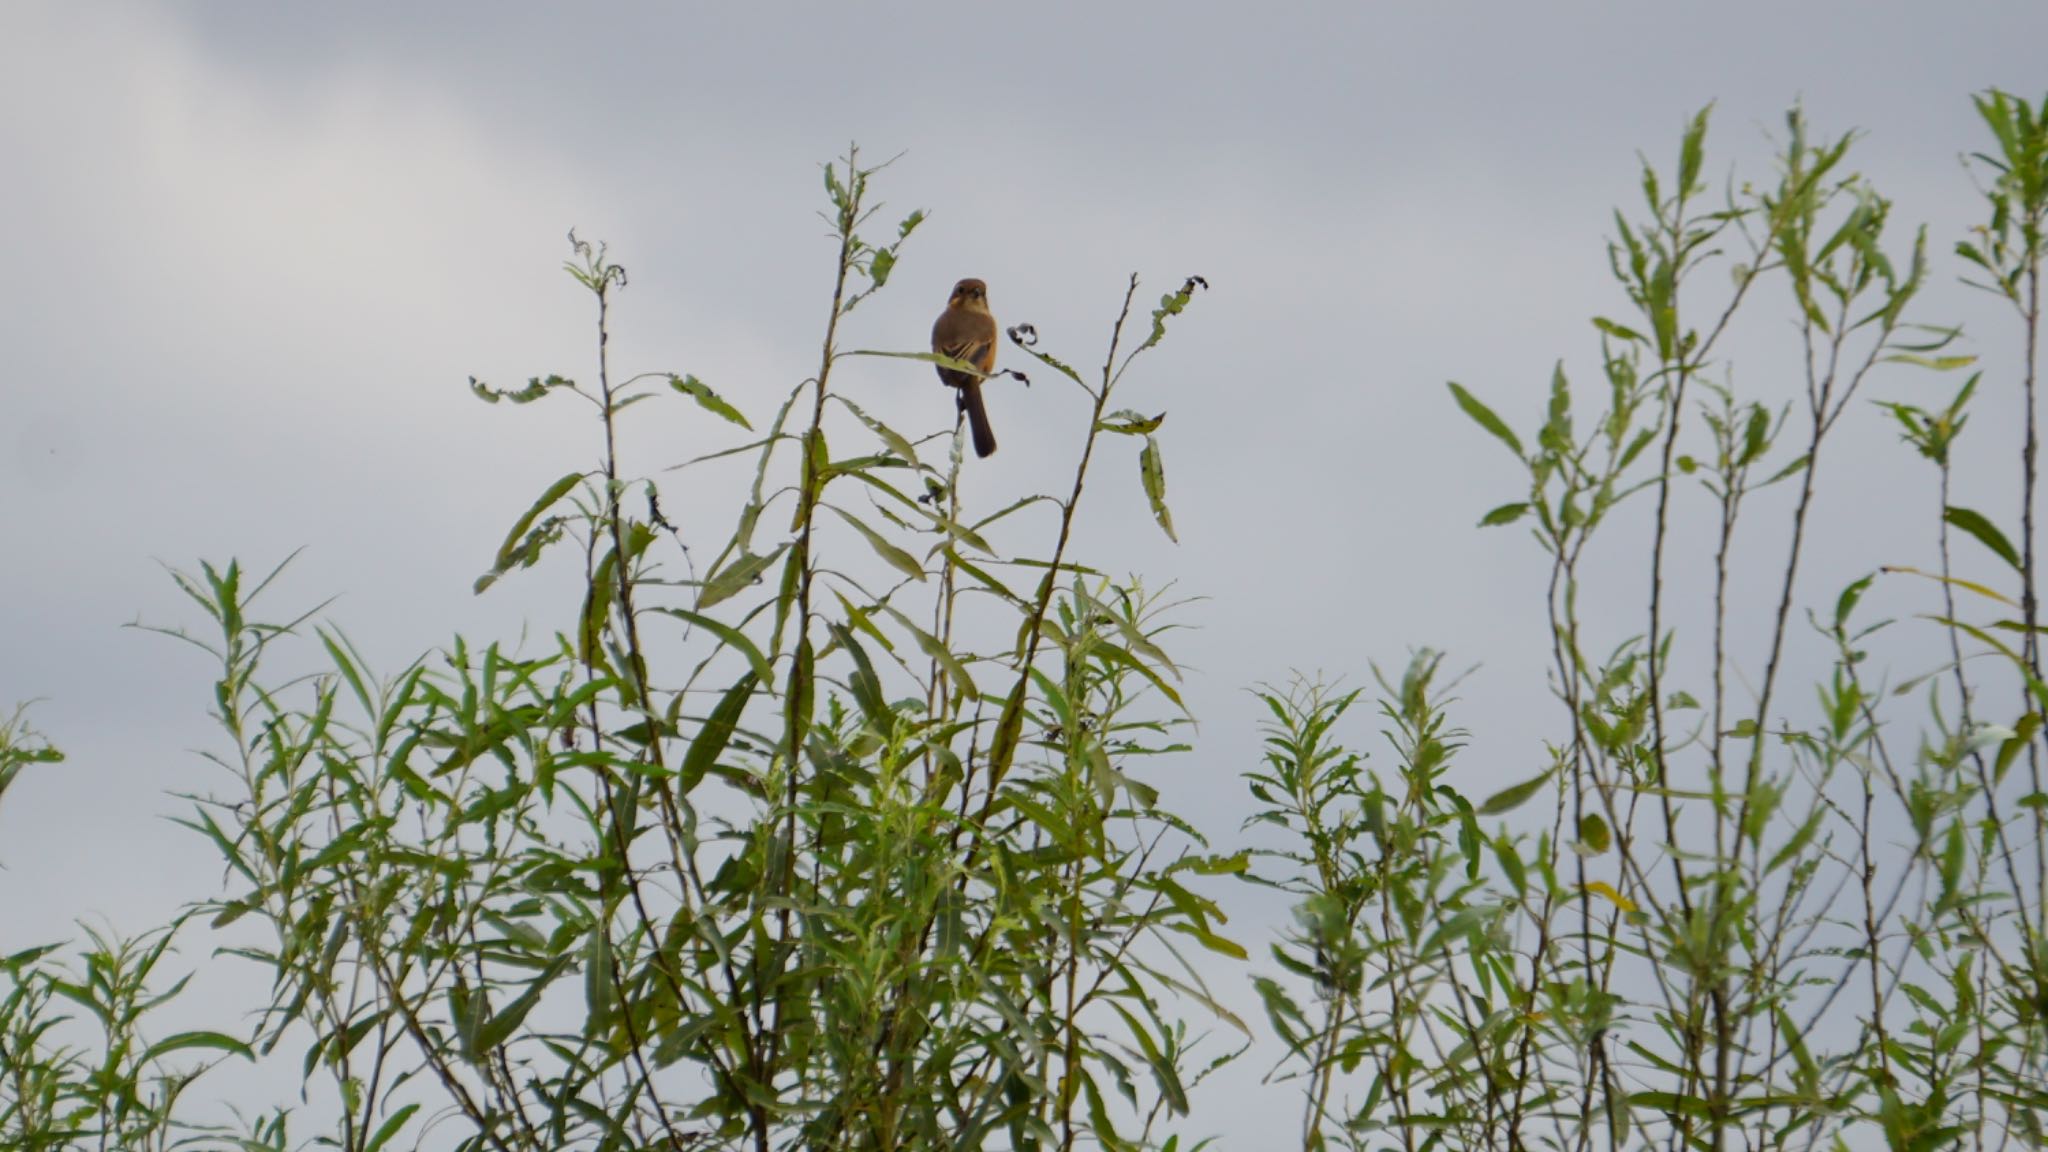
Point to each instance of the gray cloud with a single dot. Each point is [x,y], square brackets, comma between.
[254,250]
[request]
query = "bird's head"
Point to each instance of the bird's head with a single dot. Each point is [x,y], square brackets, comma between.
[969,294]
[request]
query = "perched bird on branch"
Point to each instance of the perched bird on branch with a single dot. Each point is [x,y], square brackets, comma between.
[966,330]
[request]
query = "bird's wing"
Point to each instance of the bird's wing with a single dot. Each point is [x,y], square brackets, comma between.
[966,336]
[975,350]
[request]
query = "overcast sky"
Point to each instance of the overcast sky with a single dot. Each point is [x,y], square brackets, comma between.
[252,252]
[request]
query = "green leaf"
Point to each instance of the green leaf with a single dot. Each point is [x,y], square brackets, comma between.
[1937,363]
[928,357]
[1103,1128]
[1164,1074]
[1511,864]
[889,436]
[684,1039]
[800,693]
[213,1041]
[1009,730]
[501,1025]
[1671,1103]
[1052,362]
[732,637]
[1170,304]
[14,962]
[390,1127]
[949,925]
[1237,863]
[534,390]
[513,549]
[1221,945]
[865,685]
[1505,514]
[1691,151]
[599,999]
[1792,469]
[1846,602]
[1485,418]
[597,605]
[2023,734]
[1152,471]
[1509,799]
[467,1010]
[930,646]
[896,557]
[1593,833]
[708,400]
[1127,422]
[716,732]
[1755,435]
[1617,331]
[1986,533]
[739,574]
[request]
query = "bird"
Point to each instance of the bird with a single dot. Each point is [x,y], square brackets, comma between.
[966,330]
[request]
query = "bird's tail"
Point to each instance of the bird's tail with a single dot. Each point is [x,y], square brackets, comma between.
[977,419]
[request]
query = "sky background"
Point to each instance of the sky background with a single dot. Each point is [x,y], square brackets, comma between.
[253,252]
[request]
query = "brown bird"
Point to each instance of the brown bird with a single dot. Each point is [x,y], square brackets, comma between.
[966,330]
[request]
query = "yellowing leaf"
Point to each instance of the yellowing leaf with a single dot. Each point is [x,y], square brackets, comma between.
[1603,888]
